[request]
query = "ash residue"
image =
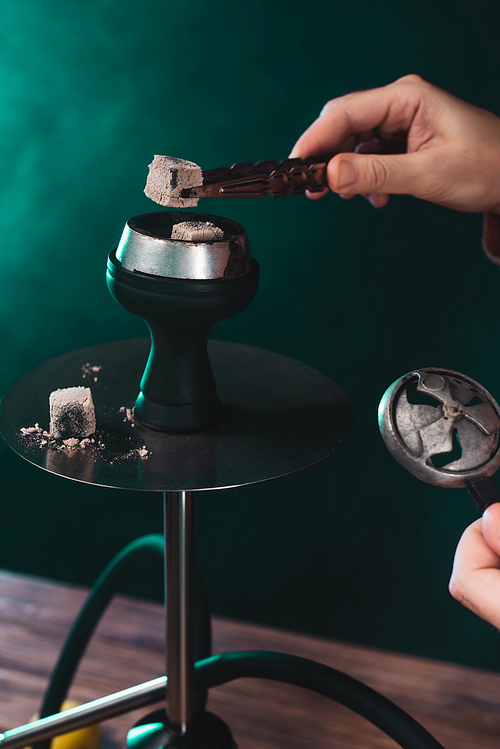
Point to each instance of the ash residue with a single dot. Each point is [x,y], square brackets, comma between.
[129,413]
[38,437]
[135,452]
[90,371]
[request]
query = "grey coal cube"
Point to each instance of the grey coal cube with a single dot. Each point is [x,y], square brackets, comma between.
[72,413]
[168,176]
[196,231]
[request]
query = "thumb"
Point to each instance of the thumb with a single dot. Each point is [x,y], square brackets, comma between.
[354,173]
[491,527]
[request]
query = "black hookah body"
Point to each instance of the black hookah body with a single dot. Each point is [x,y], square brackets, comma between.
[178,389]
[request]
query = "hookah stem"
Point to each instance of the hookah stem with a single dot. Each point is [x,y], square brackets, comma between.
[179,608]
[108,583]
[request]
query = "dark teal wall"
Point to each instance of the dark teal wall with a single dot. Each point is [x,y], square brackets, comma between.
[354,548]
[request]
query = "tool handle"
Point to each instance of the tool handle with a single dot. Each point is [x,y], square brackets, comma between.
[484,493]
[275,178]
[292,176]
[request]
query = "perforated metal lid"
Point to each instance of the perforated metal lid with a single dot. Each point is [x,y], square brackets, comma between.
[425,412]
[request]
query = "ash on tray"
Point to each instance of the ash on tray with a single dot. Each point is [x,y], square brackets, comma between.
[91,370]
[135,452]
[39,437]
[129,413]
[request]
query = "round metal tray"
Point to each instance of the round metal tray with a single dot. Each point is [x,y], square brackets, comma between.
[279,417]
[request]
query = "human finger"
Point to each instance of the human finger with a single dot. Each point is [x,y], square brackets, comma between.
[347,145]
[367,174]
[475,580]
[378,200]
[491,527]
[390,108]
[317,195]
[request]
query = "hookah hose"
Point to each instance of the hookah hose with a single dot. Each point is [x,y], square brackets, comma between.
[107,584]
[344,689]
[219,669]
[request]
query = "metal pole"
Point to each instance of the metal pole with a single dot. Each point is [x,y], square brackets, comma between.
[179,607]
[85,715]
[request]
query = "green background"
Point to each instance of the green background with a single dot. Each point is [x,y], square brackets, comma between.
[354,548]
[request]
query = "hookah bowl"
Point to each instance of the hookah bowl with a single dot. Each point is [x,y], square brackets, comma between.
[181,289]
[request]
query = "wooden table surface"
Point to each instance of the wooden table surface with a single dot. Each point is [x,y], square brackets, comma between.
[459,705]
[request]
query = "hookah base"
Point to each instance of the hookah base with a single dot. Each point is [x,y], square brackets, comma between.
[206,731]
[188,417]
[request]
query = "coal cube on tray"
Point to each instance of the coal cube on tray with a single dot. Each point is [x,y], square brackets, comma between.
[72,414]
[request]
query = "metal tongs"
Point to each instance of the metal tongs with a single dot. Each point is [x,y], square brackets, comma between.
[280,178]
[274,178]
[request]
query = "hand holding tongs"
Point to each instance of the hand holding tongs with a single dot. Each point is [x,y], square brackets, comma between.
[277,178]
[290,176]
